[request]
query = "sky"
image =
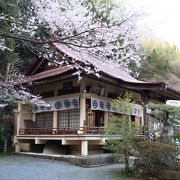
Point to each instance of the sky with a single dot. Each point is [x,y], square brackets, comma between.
[162,18]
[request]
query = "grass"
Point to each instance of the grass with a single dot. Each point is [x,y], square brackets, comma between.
[2,154]
[121,175]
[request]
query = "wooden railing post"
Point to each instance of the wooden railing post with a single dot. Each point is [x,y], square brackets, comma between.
[62,131]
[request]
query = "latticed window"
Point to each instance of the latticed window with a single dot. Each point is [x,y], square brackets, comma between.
[63,118]
[69,118]
[44,119]
[74,118]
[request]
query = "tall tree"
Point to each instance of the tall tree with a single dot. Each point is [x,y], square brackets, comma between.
[158,58]
[123,129]
[168,115]
[100,26]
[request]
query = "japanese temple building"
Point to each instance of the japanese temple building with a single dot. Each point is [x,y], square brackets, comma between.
[78,109]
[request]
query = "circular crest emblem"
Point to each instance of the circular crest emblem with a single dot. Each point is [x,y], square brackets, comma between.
[94,104]
[108,105]
[42,107]
[75,102]
[35,108]
[58,105]
[48,107]
[101,104]
[67,103]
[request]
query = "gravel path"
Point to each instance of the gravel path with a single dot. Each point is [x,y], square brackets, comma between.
[29,168]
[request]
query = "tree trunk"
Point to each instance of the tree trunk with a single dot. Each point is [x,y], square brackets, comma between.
[126,163]
[161,135]
[164,130]
[6,80]
[5,145]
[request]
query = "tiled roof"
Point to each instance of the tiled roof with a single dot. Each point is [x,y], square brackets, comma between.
[102,65]
[49,73]
[84,57]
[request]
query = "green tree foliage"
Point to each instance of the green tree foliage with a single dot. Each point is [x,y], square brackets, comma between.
[154,156]
[157,59]
[167,114]
[12,13]
[176,65]
[15,54]
[122,131]
[6,127]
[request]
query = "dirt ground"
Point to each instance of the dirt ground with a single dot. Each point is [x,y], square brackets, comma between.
[29,168]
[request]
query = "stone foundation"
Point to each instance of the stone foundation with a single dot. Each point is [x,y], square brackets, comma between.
[84,161]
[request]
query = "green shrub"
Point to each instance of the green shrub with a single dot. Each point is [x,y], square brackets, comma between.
[177,135]
[131,172]
[2,154]
[154,156]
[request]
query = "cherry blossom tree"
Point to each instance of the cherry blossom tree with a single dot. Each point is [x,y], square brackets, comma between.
[102,27]
[11,91]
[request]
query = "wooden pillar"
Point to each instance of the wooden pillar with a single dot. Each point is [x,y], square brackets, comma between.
[17,147]
[84,148]
[55,113]
[55,119]
[105,118]
[145,100]
[34,117]
[145,119]
[19,117]
[138,121]
[82,110]
[142,120]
